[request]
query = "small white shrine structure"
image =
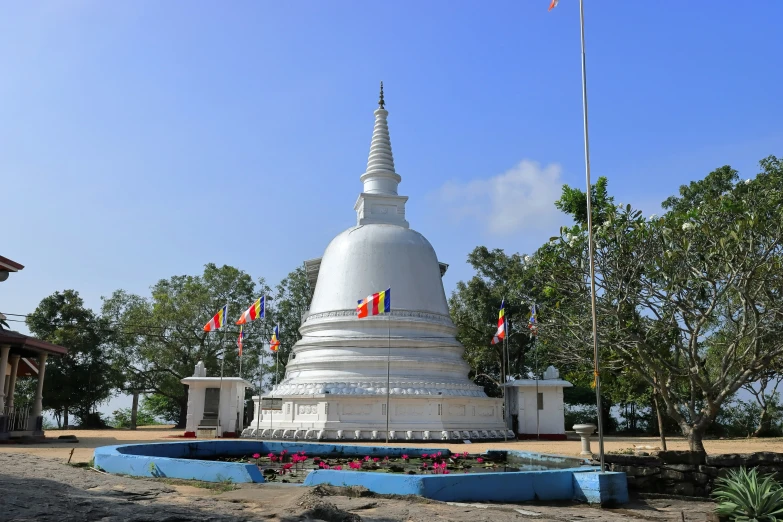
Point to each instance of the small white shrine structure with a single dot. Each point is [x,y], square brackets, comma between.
[216,405]
[538,406]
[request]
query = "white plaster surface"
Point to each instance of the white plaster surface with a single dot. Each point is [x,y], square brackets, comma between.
[232,401]
[336,380]
[524,403]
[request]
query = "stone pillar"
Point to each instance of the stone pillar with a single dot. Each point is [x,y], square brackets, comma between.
[3,370]
[36,420]
[12,383]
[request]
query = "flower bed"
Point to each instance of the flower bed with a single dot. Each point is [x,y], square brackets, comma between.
[293,467]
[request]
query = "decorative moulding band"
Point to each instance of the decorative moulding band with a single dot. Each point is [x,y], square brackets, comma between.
[401,314]
[377,388]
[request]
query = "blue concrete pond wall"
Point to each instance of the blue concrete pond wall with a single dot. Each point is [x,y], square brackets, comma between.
[568,479]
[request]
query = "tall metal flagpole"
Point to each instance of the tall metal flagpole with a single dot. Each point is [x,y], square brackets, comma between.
[538,410]
[590,245]
[260,386]
[388,374]
[503,365]
[222,363]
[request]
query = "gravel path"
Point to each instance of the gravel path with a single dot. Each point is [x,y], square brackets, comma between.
[41,489]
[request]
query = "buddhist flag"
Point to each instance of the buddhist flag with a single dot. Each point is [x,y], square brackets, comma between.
[240,339]
[255,311]
[533,324]
[274,343]
[501,333]
[217,322]
[553,4]
[375,304]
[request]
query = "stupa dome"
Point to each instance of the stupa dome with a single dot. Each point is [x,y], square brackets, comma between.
[368,258]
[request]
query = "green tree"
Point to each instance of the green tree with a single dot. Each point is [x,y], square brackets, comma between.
[474,307]
[690,301]
[291,303]
[159,339]
[84,378]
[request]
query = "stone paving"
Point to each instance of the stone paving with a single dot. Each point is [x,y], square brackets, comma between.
[42,489]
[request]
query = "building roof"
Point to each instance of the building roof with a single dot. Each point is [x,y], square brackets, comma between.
[7,265]
[25,342]
[547,383]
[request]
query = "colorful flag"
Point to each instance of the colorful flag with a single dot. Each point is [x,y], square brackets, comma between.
[501,333]
[553,4]
[533,324]
[375,304]
[240,338]
[255,311]
[217,322]
[274,343]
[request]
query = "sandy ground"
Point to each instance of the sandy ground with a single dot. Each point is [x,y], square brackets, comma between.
[91,439]
[43,489]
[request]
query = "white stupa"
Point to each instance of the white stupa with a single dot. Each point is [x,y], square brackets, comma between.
[335,386]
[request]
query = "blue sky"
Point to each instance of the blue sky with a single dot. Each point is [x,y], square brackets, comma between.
[144,139]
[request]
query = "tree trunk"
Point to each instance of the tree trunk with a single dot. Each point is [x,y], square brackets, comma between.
[65,417]
[765,423]
[660,422]
[134,410]
[695,435]
[183,415]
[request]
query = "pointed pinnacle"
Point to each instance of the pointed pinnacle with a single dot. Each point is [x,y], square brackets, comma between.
[381,103]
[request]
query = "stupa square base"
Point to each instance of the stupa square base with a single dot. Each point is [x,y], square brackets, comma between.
[413,418]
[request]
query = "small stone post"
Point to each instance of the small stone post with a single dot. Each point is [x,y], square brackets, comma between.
[584,431]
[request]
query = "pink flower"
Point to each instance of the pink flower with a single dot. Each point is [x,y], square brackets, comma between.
[405,457]
[273,458]
[465,454]
[375,459]
[284,452]
[386,458]
[256,456]
[367,458]
[326,466]
[303,453]
[479,460]
[287,466]
[445,472]
[270,455]
[424,455]
[337,467]
[439,454]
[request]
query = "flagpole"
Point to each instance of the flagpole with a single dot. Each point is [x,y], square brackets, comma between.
[260,386]
[509,423]
[538,422]
[590,245]
[222,363]
[388,374]
[503,373]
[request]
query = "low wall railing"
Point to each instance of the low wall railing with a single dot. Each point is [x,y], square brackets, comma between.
[18,417]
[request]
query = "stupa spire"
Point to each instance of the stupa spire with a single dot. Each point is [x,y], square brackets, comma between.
[379,202]
[380,176]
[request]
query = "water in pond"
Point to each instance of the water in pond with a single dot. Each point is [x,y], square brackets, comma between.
[294,467]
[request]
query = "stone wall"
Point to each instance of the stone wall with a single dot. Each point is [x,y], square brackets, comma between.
[687,473]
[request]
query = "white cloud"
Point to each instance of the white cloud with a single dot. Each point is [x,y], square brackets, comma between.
[521,198]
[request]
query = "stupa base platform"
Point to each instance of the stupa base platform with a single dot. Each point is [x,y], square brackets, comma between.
[417,418]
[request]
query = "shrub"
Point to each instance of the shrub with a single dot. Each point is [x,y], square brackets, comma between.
[122,418]
[745,496]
